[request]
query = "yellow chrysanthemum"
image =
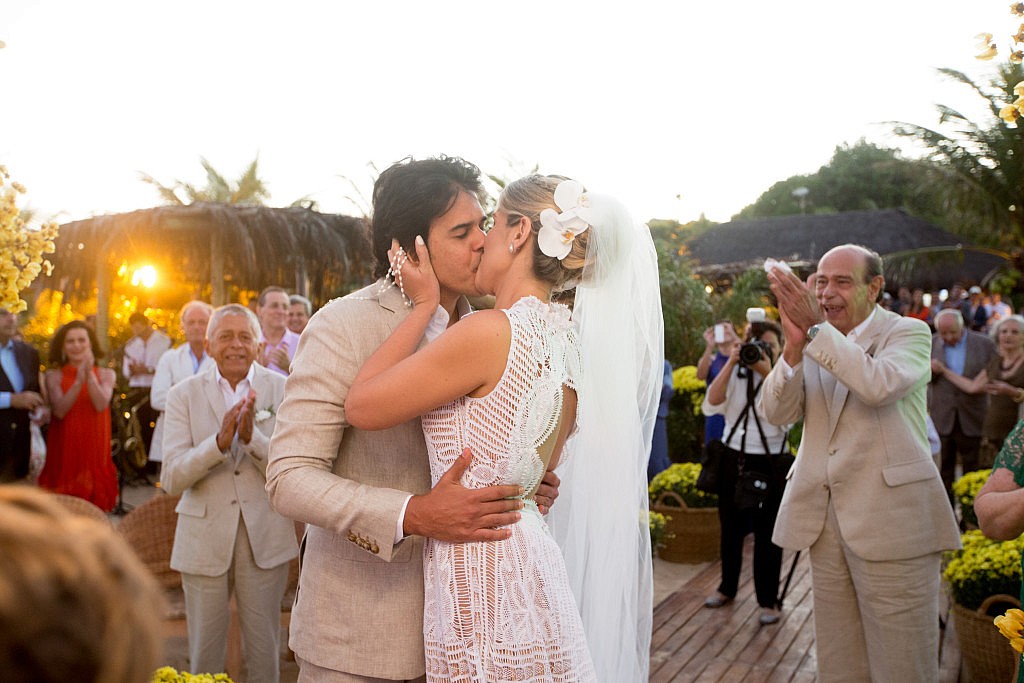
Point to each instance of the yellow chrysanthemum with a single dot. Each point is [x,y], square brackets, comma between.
[988,53]
[1009,113]
[21,247]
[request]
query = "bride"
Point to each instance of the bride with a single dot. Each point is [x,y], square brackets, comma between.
[526,387]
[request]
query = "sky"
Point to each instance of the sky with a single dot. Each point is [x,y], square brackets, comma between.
[680,108]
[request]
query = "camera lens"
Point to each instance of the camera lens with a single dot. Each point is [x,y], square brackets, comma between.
[750,353]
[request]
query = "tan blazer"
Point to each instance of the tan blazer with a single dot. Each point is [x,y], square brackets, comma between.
[359,605]
[215,489]
[866,444]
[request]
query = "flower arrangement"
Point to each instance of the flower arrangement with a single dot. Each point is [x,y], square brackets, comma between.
[685,382]
[1011,625]
[681,478]
[965,489]
[659,530]
[21,247]
[982,568]
[169,674]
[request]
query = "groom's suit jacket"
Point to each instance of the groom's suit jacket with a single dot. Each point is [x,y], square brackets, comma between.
[15,437]
[864,442]
[359,605]
[216,488]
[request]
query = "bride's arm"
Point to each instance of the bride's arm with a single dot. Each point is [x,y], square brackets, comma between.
[397,383]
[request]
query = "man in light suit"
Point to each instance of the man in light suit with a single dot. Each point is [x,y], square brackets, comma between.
[864,494]
[19,397]
[957,415]
[181,363]
[358,613]
[216,442]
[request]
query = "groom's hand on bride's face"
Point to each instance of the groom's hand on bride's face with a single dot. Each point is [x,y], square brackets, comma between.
[452,512]
[547,492]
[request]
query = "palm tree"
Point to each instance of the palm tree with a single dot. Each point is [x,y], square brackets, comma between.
[248,190]
[982,163]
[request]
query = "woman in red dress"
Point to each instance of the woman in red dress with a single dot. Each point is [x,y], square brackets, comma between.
[78,458]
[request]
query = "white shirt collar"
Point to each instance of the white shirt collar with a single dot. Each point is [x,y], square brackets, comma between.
[859,330]
[439,323]
[223,382]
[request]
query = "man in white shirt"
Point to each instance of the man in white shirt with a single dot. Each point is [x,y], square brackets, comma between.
[141,355]
[188,359]
[864,494]
[277,342]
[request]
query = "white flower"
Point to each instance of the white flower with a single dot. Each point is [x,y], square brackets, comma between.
[264,414]
[560,229]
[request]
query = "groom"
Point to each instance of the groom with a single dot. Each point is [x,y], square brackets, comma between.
[366,496]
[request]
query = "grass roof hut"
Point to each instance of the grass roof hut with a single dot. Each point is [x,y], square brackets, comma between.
[215,246]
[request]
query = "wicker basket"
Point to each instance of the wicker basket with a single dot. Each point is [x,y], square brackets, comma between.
[696,531]
[985,654]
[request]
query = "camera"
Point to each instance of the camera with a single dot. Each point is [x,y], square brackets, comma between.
[750,352]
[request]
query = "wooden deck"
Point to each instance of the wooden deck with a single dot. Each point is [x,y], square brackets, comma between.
[691,643]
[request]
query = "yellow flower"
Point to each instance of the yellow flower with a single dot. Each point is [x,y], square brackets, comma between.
[1017,644]
[1017,8]
[987,54]
[1017,56]
[1009,113]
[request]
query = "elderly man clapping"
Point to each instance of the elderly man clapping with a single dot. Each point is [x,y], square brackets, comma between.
[216,438]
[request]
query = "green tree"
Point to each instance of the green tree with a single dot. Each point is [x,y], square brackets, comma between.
[858,177]
[978,163]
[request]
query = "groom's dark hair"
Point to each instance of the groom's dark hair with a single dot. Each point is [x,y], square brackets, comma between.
[410,194]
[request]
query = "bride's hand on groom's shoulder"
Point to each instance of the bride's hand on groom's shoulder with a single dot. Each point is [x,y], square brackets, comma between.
[451,512]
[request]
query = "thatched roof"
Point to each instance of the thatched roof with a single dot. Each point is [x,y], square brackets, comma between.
[260,246]
[731,248]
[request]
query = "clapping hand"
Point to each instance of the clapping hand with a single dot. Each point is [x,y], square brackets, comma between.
[247,417]
[231,424]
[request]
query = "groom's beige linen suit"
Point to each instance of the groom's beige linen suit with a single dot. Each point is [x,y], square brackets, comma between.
[864,481]
[359,604]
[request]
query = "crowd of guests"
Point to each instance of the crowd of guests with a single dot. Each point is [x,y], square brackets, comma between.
[60,419]
[228,540]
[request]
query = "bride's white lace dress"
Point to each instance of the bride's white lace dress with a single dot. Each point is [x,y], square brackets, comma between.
[503,611]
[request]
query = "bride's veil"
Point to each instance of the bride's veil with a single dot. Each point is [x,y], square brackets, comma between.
[600,517]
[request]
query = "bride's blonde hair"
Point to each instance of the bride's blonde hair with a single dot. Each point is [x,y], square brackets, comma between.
[527,197]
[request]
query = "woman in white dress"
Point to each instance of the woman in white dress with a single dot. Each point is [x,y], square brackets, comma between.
[511,384]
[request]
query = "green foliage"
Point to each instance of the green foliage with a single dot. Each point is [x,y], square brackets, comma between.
[982,568]
[685,307]
[248,190]
[859,177]
[965,490]
[749,290]
[681,478]
[977,164]
[685,424]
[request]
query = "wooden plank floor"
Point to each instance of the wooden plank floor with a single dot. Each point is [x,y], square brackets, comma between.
[691,643]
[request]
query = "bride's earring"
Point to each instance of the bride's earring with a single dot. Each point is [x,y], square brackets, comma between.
[511,248]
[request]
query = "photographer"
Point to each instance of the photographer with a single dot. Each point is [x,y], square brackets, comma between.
[751,472]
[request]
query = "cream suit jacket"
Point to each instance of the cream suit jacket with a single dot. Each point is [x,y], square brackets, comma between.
[173,366]
[865,444]
[215,489]
[359,605]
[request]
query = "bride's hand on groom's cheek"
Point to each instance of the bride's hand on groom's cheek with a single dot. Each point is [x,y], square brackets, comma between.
[417,277]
